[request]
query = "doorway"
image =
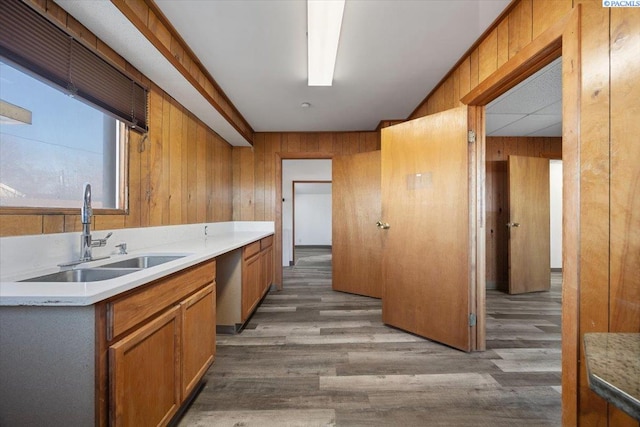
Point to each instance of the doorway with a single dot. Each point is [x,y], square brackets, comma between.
[312,219]
[296,170]
[524,132]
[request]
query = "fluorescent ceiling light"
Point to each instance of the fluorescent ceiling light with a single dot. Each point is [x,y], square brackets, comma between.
[324,19]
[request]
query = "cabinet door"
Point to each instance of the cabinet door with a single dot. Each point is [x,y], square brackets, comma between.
[198,337]
[251,282]
[144,373]
[267,261]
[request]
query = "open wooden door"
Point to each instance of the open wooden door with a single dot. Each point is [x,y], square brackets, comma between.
[426,270]
[356,244]
[529,241]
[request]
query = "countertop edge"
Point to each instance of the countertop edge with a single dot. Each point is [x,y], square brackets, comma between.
[605,388]
[615,396]
[109,288]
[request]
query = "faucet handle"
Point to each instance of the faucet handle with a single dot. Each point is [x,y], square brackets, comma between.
[122,248]
[98,243]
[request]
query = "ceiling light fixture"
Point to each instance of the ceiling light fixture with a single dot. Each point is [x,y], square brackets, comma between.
[305,105]
[324,20]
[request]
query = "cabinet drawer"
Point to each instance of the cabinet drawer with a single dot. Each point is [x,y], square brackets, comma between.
[129,310]
[266,242]
[251,249]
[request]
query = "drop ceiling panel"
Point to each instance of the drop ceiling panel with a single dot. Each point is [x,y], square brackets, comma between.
[553,130]
[527,125]
[498,121]
[532,108]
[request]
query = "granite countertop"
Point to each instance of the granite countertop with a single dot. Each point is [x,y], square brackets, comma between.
[613,367]
[193,248]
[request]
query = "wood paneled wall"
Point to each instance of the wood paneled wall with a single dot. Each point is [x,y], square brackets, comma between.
[520,24]
[256,169]
[151,22]
[603,293]
[179,173]
[497,199]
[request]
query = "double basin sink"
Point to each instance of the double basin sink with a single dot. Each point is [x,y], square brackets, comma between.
[106,271]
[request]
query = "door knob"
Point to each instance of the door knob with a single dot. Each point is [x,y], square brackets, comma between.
[513,224]
[383,225]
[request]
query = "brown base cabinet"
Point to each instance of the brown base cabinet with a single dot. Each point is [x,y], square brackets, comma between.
[144,373]
[161,341]
[244,277]
[257,274]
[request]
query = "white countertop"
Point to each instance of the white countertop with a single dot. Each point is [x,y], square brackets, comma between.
[221,238]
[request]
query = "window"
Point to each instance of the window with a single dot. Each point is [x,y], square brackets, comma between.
[65,115]
[68,142]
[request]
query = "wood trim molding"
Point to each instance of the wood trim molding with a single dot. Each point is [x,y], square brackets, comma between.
[540,52]
[389,122]
[563,38]
[56,211]
[144,28]
[571,224]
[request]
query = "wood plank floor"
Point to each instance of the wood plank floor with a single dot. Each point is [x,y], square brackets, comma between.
[314,357]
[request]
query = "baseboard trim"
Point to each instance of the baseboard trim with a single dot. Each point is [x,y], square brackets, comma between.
[556,270]
[313,247]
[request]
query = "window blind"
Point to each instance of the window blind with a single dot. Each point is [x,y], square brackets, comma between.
[31,41]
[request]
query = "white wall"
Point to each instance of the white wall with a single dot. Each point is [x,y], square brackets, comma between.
[313,219]
[297,170]
[555,204]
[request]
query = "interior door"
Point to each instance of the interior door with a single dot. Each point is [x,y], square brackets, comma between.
[425,227]
[356,244]
[529,217]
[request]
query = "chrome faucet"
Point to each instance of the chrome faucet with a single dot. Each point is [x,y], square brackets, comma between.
[85,217]
[86,241]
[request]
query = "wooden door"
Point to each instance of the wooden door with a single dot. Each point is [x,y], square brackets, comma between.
[529,241]
[425,204]
[356,244]
[145,373]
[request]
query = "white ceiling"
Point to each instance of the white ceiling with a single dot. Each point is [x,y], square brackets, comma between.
[532,108]
[391,55]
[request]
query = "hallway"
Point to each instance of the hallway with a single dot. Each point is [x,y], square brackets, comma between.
[314,357]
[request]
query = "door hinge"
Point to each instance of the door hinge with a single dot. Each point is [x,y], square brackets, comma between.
[472,319]
[471,137]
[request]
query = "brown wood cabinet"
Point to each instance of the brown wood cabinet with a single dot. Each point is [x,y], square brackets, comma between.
[144,375]
[251,281]
[243,278]
[160,341]
[266,251]
[257,274]
[198,337]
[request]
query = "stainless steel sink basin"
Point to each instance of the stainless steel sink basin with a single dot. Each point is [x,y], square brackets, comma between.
[83,275]
[144,261]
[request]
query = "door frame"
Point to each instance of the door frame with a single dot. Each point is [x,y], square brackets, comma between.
[562,39]
[293,211]
[279,157]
